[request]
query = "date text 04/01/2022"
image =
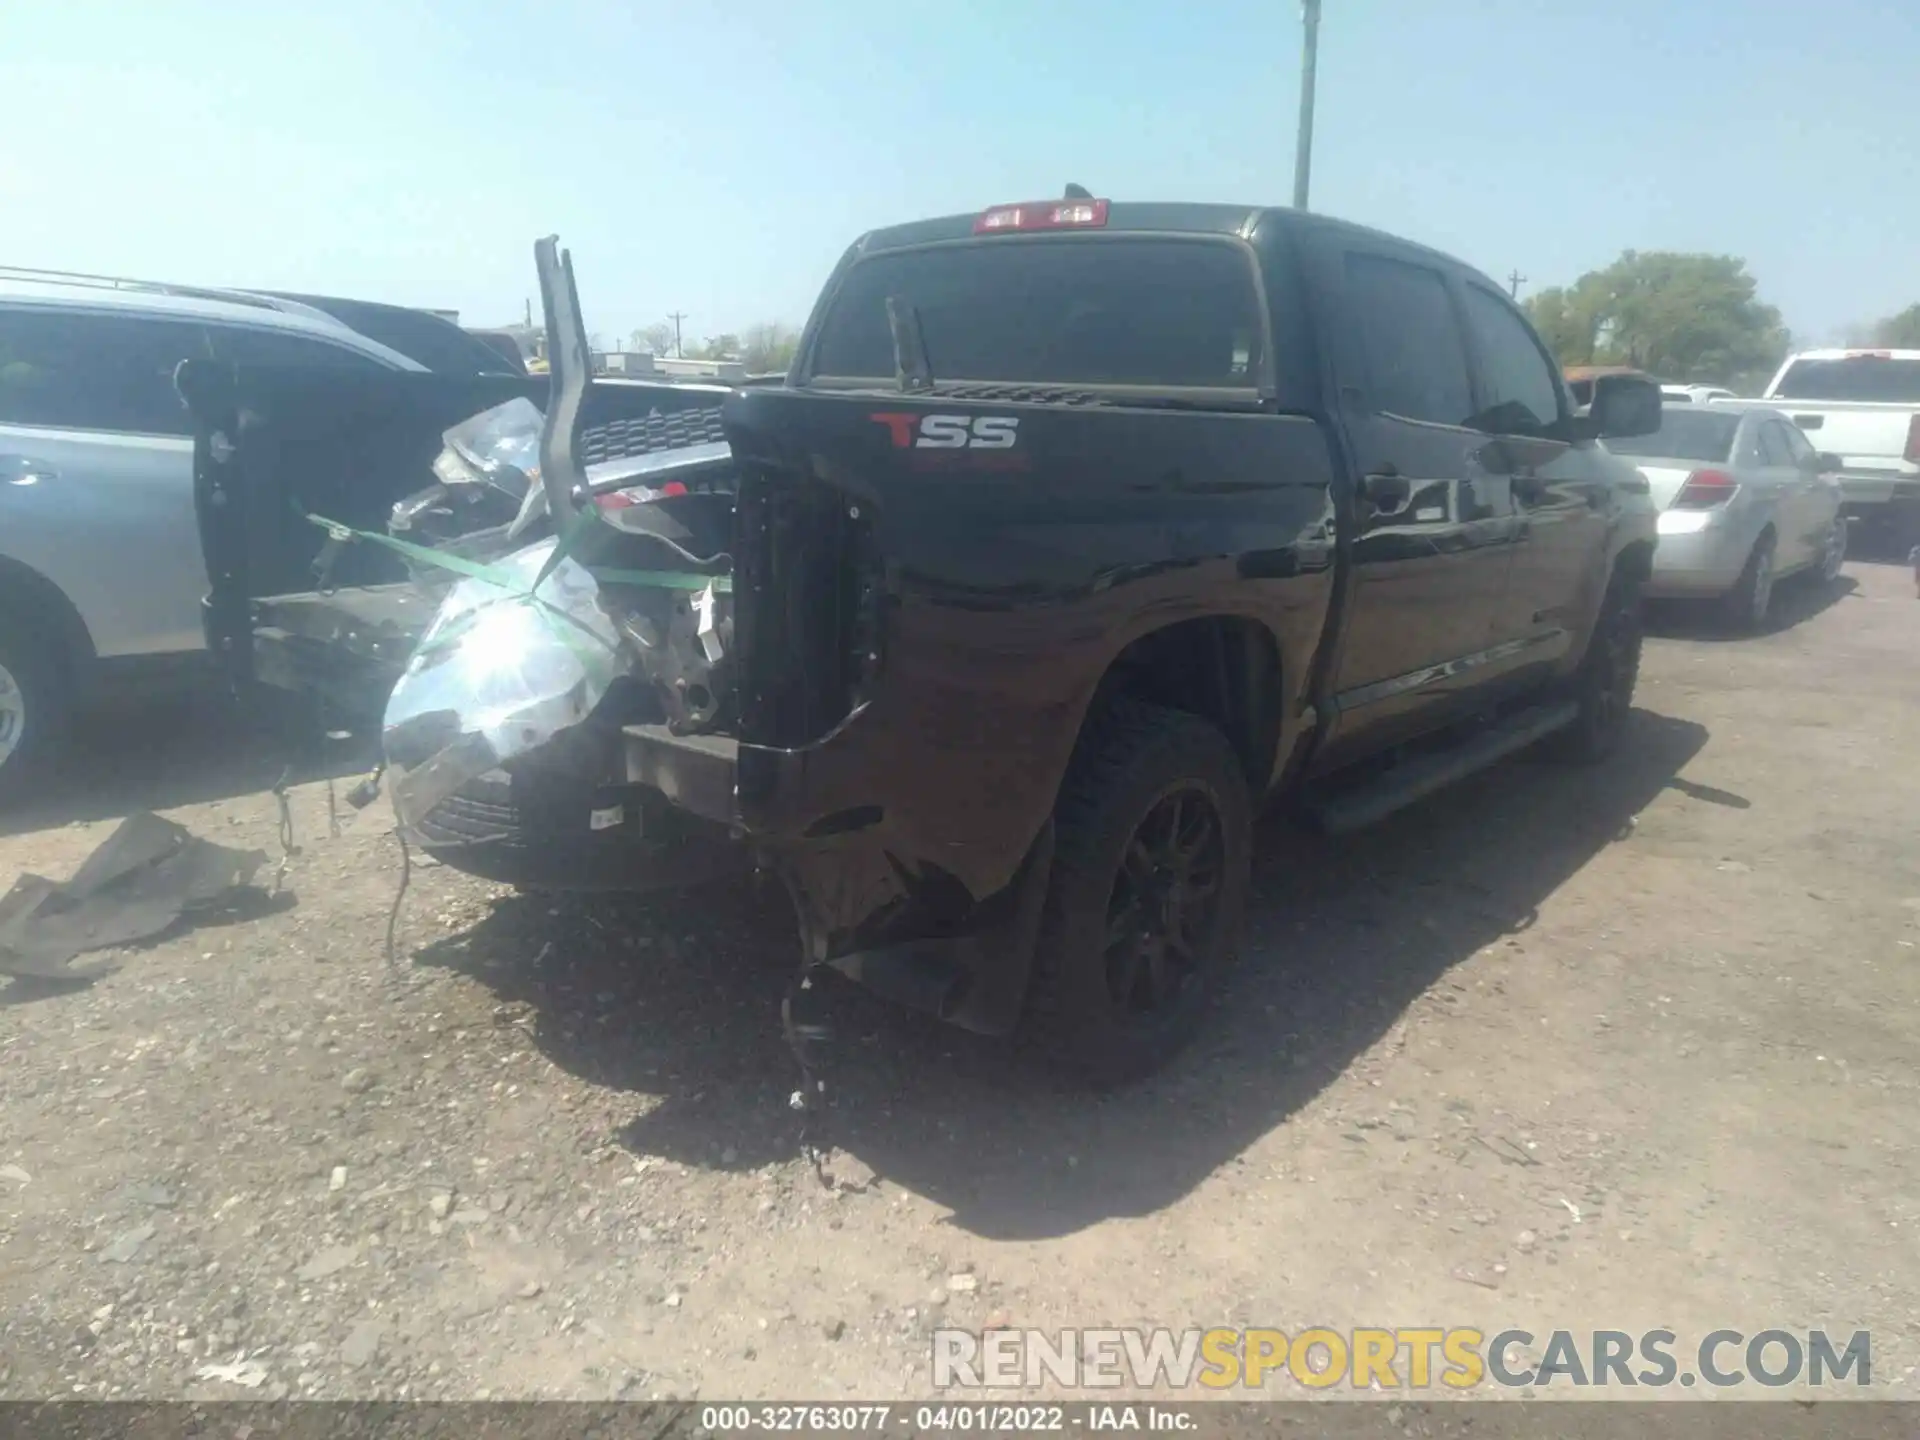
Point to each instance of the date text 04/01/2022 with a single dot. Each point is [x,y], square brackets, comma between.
[963,1417]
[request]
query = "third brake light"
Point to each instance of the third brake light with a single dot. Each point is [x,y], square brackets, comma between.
[1042,215]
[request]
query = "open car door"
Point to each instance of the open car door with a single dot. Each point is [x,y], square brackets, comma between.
[329,611]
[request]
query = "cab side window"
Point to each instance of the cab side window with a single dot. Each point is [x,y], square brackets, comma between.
[92,370]
[1523,397]
[1416,359]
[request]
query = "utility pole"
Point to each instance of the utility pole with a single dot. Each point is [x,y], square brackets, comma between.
[1309,55]
[676,317]
[1514,281]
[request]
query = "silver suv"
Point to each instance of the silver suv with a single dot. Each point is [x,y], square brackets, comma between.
[101,574]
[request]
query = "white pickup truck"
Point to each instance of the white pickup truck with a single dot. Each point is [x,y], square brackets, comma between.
[1864,406]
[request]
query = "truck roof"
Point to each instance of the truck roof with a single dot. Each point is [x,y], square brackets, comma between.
[1166,217]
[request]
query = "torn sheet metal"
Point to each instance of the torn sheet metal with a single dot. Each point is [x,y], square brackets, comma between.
[142,878]
[503,669]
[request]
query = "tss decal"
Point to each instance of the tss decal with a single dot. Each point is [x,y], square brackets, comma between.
[949,432]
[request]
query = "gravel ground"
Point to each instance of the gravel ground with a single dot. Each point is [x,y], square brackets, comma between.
[1625,1047]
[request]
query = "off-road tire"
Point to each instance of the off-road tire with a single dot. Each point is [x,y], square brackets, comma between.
[1603,685]
[1744,608]
[45,706]
[1133,760]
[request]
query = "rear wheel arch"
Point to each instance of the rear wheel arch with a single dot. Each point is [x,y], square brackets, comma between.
[1226,669]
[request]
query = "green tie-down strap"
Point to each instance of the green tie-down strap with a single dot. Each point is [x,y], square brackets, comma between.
[585,527]
[577,532]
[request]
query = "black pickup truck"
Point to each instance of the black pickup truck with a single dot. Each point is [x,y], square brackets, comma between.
[1077,533]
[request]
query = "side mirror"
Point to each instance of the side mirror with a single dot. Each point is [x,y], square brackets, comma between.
[1624,406]
[1830,462]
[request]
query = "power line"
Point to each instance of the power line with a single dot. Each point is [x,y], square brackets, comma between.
[1514,281]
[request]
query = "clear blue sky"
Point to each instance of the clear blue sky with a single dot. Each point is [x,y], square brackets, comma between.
[716,157]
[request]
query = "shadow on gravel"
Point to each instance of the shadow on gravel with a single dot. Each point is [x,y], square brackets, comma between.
[176,750]
[1884,542]
[1795,602]
[678,1001]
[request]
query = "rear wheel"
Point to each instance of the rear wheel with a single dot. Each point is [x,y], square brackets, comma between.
[35,703]
[1745,606]
[1149,878]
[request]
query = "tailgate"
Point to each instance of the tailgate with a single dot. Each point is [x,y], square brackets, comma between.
[1864,436]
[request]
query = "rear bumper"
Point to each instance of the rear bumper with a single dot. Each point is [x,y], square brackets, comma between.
[1700,563]
[891,922]
[695,772]
[1868,490]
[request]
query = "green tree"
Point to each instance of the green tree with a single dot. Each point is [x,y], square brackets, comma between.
[1568,319]
[769,348]
[655,339]
[718,347]
[1899,332]
[1683,317]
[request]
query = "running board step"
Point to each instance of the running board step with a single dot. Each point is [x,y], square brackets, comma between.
[1416,779]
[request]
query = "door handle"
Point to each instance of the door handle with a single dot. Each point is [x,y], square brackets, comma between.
[1386,489]
[19,470]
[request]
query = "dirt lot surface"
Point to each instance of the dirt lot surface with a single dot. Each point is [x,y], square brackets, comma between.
[1627,1047]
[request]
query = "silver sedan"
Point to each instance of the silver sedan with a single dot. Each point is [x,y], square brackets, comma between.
[1744,500]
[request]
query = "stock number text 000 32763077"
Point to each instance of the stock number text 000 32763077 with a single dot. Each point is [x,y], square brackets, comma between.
[819,1419]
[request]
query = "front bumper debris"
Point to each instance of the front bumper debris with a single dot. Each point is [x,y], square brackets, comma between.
[497,675]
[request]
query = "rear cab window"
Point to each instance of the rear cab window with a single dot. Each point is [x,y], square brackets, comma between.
[1872,379]
[1090,311]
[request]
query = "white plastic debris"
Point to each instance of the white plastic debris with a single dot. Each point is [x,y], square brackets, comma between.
[706,627]
[249,1373]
